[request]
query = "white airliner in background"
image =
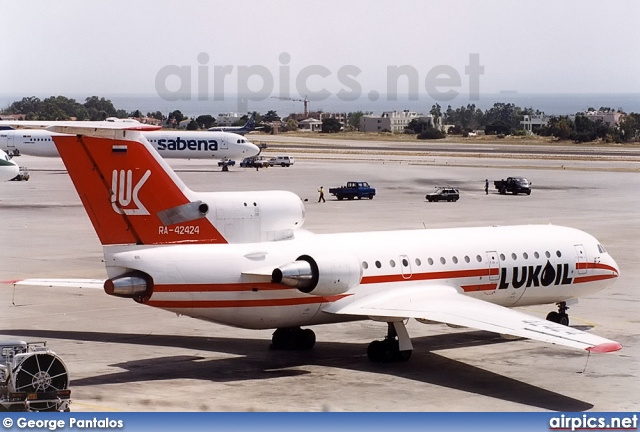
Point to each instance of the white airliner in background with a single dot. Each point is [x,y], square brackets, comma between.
[249,126]
[170,144]
[242,259]
[8,168]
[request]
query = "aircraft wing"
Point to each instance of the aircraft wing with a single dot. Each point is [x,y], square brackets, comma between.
[56,126]
[446,304]
[60,283]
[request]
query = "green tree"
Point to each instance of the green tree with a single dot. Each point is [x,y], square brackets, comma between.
[630,127]
[25,106]
[331,125]
[156,115]
[175,117]
[418,125]
[270,116]
[193,125]
[205,121]
[99,108]
[353,119]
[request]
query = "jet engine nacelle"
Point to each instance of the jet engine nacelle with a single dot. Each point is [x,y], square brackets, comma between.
[136,285]
[323,276]
[247,217]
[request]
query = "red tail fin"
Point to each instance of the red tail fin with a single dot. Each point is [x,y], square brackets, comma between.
[130,194]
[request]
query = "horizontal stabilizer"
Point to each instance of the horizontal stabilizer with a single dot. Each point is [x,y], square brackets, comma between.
[62,283]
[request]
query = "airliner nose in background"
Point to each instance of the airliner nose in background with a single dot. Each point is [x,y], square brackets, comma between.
[8,168]
[170,144]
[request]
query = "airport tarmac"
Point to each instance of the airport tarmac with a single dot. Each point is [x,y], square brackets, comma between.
[123,356]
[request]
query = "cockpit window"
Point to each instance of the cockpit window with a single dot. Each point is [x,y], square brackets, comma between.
[601,249]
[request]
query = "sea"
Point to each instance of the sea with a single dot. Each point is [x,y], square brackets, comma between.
[193,106]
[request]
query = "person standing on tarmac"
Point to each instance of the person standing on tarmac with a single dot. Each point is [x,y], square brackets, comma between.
[321,197]
[486,186]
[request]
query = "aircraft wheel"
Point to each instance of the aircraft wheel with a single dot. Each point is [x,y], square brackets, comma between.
[386,351]
[291,339]
[553,317]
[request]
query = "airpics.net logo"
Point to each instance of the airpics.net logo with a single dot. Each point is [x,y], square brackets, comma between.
[257,82]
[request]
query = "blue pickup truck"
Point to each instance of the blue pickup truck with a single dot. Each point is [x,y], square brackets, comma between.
[353,190]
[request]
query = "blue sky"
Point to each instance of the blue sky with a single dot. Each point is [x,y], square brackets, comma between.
[120,47]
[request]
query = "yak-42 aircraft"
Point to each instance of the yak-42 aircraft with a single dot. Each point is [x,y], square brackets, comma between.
[170,144]
[242,259]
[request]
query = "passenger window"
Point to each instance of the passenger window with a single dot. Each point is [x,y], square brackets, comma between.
[514,256]
[536,255]
[392,263]
[365,265]
[405,263]
[547,254]
[502,257]
[418,262]
[455,260]
[559,254]
[479,258]
[442,260]
[467,259]
[430,261]
[525,255]
[378,264]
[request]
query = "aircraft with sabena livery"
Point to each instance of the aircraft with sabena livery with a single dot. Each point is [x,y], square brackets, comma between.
[170,144]
[242,258]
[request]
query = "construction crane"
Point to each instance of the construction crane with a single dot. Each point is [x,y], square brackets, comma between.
[305,100]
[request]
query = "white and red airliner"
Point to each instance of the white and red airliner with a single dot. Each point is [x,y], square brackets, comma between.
[241,258]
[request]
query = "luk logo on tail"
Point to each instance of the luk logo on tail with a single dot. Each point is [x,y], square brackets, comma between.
[123,191]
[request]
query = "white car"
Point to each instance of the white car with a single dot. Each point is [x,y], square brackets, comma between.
[284,161]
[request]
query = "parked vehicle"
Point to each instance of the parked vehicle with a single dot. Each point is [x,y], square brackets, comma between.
[255,162]
[353,190]
[283,161]
[32,378]
[515,185]
[444,194]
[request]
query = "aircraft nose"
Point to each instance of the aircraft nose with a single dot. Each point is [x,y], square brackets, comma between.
[614,266]
[251,149]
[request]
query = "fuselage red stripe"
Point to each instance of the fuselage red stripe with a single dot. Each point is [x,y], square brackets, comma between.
[199,304]
[238,287]
[584,265]
[479,287]
[452,274]
[583,279]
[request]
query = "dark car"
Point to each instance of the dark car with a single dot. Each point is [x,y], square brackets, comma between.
[444,194]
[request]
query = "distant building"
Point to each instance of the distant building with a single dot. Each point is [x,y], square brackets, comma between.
[310,125]
[227,119]
[392,121]
[608,117]
[531,123]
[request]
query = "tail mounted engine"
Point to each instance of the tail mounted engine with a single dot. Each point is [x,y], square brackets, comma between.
[320,276]
[136,285]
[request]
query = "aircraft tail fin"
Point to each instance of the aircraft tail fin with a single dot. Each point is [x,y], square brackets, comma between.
[251,123]
[129,192]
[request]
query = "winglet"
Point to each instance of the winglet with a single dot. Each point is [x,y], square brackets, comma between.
[605,347]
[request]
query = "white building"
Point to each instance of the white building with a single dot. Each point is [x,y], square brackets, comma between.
[391,121]
[534,120]
[227,119]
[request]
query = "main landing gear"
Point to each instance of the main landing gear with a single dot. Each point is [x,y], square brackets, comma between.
[396,346]
[560,317]
[293,338]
